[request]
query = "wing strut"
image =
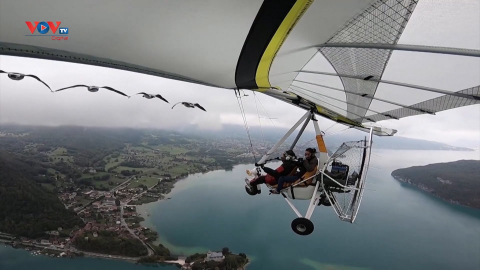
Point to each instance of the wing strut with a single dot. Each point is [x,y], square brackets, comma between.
[404,47]
[429,89]
[368,96]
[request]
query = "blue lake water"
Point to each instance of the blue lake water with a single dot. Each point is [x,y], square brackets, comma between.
[398,226]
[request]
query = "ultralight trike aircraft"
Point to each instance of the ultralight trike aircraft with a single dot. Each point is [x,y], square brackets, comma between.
[338,180]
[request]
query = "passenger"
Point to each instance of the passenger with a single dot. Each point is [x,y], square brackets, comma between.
[289,160]
[306,166]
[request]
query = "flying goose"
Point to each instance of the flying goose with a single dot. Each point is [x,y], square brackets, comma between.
[19,76]
[150,96]
[93,89]
[190,105]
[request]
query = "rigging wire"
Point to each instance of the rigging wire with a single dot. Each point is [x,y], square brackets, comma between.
[276,130]
[242,111]
[274,126]
[259,121]
[327,135]
[330,127]
[338,132]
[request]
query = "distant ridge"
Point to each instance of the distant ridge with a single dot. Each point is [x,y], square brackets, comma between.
[272,135]
[456,182]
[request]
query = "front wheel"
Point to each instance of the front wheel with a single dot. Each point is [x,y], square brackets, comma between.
[302,226]
[250,191]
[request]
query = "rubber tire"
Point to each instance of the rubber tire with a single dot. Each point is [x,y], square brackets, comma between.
[326,203]
[302,226]
[250,192]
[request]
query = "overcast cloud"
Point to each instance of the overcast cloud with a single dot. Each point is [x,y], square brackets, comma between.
[456,24]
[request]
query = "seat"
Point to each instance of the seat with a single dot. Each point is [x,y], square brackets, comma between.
[305,176]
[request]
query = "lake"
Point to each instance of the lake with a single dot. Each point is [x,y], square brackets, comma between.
[398,226]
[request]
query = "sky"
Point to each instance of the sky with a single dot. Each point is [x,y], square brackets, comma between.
[454,24]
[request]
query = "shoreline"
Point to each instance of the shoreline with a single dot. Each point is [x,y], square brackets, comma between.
[16,243]
[147,222]
[422,188]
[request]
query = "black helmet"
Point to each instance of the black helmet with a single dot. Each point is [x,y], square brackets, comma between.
[290,155]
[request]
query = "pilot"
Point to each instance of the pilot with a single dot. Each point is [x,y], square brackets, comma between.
[307,168]
[289,160]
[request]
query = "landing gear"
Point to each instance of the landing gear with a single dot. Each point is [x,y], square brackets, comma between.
[323,201]
[302,226]
[250,191]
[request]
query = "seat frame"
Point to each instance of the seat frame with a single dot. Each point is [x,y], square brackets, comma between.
[312,190]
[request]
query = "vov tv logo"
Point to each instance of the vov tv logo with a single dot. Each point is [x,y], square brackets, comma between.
[48,29]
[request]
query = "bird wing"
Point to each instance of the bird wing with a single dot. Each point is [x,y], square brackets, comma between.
[73,86]
[1,71]
[160,97]
[198,106]
[116,91]
[176,104]
[38,79]
[141,93]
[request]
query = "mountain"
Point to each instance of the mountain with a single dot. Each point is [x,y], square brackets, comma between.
[334,141]
[456,182]
[27,209]
[107,138]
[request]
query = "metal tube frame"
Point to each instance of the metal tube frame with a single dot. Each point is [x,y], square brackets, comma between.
[360,196]
[365,95]
[275,147]
[336,99]
[316,194]
[424,88]
[360,189]
[300,133]
[405,47]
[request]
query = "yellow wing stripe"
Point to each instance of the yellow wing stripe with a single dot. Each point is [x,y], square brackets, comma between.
[276,42]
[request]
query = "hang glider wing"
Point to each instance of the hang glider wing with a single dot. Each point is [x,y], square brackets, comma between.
[267,46]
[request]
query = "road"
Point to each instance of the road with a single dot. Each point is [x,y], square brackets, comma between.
[122,184]
[128,180]
[92,254]
[124,224]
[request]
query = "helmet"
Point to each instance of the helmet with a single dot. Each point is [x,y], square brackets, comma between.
[290,155]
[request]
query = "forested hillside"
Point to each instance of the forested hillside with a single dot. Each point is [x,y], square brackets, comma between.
[457,182]
[27,209]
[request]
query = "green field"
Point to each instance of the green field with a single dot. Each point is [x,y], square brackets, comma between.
[179,169]
[159,171]
[99,184]
[112,162]
[67,159]
[147,181]
[88,175]
[208,160]
[116,181]
[60,151]
[173,150]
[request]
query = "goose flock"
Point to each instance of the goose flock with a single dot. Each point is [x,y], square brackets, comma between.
[20,76]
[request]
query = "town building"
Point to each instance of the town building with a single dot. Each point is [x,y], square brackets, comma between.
[214,256]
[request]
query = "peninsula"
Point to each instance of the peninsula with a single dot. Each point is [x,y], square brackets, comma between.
[456,182]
